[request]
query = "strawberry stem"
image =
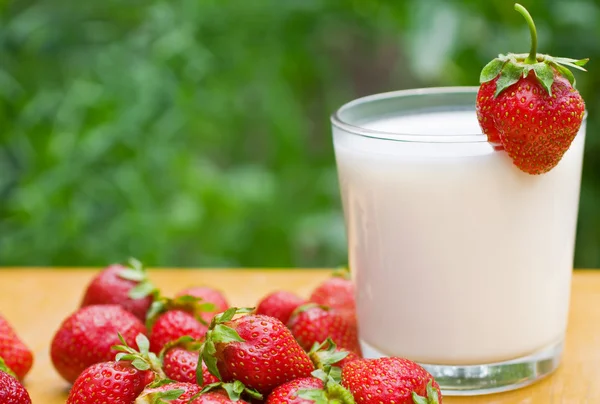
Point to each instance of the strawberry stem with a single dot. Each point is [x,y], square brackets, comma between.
[532,58]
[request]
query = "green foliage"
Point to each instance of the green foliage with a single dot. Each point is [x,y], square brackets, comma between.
[196,132]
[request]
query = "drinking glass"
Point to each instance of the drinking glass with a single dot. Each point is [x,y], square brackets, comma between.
[462,262]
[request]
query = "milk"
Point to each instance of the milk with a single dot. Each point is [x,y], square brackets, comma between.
[458,256]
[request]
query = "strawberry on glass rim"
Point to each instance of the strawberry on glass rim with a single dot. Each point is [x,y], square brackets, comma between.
[528,106]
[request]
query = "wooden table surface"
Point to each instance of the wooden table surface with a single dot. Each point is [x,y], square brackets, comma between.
[36,300]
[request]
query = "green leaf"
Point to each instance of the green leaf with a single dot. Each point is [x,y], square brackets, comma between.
[199,375]
[210,347]
[336,357]
[320,374]
[210,360]
[568,74]
[227,315]
[204,307]
[122,356]
[316,347]
[136,264]
[122,339]
[581,62]
[186,300]
[140,364]
[186,341]
[212,386]
[432,394]
[141,290]
[122,348]
[491,70]
[567,60]
[417,399]
[509,75]
[252,393]
[4,368]
[170,395]
[335,374]
[132,275]
[143,344]
[155,362]
[576,64]
[545,75]
[238,386]
[158,382]
[157,307]
[231,391]
[223,334]
[315,395]
[305,307]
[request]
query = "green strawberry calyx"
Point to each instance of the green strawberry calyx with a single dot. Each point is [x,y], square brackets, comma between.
[141,359]
[159,397]
[4,368]
[191,304]
[235,390]
[326,354]
[514,66]
[332,392]
[136,272]
[432,396]
[218,333]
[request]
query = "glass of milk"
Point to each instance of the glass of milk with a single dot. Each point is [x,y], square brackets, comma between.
[461,261]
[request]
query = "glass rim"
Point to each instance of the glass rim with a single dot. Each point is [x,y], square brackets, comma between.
[353,129]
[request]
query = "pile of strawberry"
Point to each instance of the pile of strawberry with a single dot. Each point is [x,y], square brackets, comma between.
[130,344]
[16,359]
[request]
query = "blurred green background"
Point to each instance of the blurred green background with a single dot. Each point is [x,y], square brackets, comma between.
[196,132]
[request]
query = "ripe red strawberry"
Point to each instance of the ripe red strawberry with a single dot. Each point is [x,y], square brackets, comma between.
[528,106]
[280,304]
[180,365]
[11,389]
[172,325]
[336,292]
[122,285]
[389,380]
[86,337]
[257,350]
[227,393]
[170,319]
[216,397]
[14,351]
[312,324]
[109,383]
[287,393]
[173,393]
[322,388]
[209,295]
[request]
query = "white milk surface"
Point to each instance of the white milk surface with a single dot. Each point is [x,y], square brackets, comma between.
[458,256]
